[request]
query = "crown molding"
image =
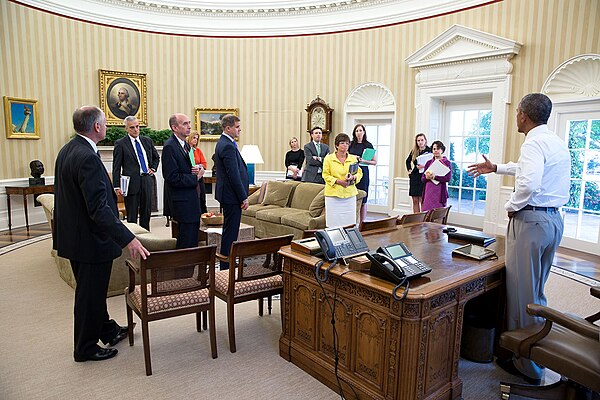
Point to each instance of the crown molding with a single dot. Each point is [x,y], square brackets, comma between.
[244,18]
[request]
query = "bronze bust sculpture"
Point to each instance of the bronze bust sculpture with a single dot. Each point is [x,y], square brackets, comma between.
[37,169]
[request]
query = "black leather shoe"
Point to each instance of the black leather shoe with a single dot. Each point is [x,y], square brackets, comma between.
[121,334]
[508,366]
[101,354]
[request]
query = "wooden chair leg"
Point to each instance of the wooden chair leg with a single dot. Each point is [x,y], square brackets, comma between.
[231,325]
[260,307]
[130,324]
[146,340]
[213,331]
[205,320]
[198,322]
[270,303]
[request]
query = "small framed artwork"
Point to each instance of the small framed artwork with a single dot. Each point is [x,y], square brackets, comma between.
[123,94]
[208,121]
[21,117]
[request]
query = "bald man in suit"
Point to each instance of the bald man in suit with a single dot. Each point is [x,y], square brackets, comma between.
[88,232]
[181,180]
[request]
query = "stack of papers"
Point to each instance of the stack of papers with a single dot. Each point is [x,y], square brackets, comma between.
[422,160]
[438,169]
[124,184]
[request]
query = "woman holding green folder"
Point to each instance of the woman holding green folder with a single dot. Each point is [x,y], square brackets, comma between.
[365,153]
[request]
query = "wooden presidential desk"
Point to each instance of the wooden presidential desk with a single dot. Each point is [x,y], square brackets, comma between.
[24,191]
[387,349]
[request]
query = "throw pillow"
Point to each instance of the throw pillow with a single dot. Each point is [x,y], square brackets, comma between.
[317,205]
[278,193]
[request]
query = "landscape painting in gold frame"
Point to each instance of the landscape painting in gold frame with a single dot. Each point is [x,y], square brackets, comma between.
[21,116]
[208,121]
[123,94]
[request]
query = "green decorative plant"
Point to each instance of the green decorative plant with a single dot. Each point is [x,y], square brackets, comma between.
[114,133]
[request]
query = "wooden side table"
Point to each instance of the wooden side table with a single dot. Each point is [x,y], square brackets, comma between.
[214,237]
[24,191]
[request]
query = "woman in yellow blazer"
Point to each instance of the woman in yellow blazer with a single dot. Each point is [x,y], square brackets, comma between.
[340,184]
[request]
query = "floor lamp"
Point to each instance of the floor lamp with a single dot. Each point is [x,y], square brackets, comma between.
[251,155]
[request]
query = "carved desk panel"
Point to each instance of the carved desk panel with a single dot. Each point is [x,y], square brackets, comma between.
[386,349]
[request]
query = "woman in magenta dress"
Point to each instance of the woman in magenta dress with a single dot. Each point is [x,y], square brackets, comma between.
[436,196]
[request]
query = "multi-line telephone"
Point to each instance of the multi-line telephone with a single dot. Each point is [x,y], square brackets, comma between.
[341,242]
[396,263]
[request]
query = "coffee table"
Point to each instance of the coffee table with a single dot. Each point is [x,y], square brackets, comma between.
[213,233]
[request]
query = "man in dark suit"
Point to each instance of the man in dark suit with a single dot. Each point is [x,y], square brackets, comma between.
[89,233]
[181,180]
[137,157]
[232,182]
[314,153]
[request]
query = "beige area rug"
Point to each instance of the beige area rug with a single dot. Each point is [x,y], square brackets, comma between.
[36,346]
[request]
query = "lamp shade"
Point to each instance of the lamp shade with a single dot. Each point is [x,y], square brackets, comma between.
[251,154]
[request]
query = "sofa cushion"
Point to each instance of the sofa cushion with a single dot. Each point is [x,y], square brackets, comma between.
[251,210]
[304,195]
[274,215]
[318,204]
[135,228]
[299,220]
[278,193]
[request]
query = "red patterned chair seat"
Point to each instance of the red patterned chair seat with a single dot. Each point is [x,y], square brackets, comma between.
[246,287]
[171,302]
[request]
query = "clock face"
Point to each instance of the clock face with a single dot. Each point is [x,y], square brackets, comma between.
[317,118]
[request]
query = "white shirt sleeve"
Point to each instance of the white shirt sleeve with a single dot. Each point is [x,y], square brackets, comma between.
[506,169]
[529,172]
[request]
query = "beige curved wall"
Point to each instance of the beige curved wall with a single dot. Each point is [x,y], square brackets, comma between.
[56,60]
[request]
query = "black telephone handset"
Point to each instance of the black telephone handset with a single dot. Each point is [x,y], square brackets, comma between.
[340,242]
[384,267]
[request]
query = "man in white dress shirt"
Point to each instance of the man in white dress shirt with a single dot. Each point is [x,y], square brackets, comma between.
[535,228]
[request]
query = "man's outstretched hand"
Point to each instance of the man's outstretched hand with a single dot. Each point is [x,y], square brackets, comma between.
[482,168]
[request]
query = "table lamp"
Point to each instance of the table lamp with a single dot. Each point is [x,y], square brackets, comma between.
[251,155]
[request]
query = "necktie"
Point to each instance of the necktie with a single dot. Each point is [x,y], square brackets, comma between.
[138,149]
[318,146]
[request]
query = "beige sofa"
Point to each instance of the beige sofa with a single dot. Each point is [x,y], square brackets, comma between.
[284,207]
[119,278]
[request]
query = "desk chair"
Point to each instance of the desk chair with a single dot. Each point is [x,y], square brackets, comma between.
[412,218]
[389,222]
[250,279]
[172,283]
[567,344]
[439,215]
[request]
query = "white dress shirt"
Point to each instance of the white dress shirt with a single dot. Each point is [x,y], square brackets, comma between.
[136,154]
[543,172]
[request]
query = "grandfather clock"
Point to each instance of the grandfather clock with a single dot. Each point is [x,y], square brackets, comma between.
[319,114]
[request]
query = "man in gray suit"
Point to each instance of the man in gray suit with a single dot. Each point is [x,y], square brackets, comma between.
[314,153]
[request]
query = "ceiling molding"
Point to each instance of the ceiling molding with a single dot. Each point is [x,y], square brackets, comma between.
[244,18]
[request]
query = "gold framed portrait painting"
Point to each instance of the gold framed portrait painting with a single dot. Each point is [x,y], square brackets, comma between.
[123,94]
[21,116]
[208,121]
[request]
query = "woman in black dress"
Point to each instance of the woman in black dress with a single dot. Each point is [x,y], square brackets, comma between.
[416,185]
[294,159]
[357,147]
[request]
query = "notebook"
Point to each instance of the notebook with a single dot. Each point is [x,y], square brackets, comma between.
[475,237]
